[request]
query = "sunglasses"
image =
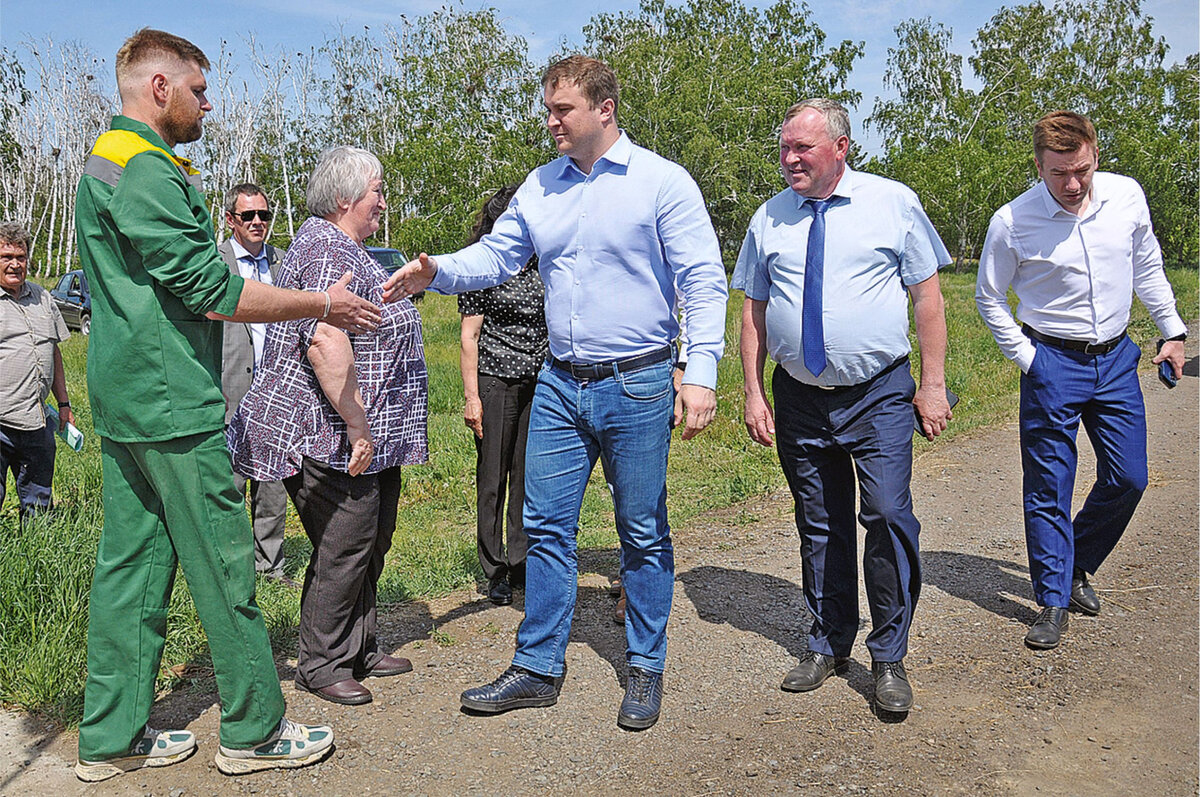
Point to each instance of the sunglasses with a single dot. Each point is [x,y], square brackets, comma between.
[248,215]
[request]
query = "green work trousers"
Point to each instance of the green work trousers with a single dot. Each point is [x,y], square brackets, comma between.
[165,503]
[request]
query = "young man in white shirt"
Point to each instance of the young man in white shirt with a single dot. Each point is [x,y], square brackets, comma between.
[1074,248]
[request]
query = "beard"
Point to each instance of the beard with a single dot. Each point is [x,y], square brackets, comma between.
[182,125]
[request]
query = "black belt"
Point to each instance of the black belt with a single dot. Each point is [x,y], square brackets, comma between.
[1074,345]
[594,371]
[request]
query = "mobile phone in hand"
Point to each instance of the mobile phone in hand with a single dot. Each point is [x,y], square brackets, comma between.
[1166,374]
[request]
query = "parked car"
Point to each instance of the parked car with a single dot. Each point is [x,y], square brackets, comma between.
[74,301]
[391,259]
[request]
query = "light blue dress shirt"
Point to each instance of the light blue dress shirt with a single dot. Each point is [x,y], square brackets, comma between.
[878,241]
[613,246]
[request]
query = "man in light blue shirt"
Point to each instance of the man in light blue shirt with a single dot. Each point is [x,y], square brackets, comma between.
[617,230]
[827,266]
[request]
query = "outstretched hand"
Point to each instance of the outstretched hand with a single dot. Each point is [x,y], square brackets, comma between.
[412,278]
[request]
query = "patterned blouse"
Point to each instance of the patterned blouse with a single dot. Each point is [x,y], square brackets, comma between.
[513,339]
[286,415]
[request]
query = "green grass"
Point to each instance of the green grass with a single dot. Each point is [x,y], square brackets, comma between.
[45,572]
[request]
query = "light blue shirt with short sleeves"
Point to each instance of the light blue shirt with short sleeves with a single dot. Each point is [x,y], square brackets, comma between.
[878,241]
[613,247]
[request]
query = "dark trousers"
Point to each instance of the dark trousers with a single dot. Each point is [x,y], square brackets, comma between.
[350,521]
[268,509]
[1061,389]
[825,438]
[29,454]
[500,463]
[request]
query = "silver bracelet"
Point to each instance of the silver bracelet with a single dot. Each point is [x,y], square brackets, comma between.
[328,305]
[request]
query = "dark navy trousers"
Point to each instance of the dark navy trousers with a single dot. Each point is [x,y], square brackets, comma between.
[1061,389]
[824,438]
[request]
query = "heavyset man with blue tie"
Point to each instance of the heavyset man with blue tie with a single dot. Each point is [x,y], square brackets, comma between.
[617,230]
[827,267]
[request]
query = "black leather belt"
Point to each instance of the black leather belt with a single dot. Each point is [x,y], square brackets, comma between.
[594,371]
[1074,345]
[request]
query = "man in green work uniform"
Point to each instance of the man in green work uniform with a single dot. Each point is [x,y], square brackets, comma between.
[159,293]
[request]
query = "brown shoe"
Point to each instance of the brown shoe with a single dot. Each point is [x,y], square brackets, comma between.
[348,692]
[388,666]
[619,611]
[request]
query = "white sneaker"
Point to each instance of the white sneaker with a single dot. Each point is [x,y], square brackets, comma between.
[292,745]
[154,749]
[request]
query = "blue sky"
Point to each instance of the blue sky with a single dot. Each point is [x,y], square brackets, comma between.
[102,25]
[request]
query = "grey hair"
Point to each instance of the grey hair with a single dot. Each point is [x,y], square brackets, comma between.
[13,233]
[242,189]
[837,121]
[342,174]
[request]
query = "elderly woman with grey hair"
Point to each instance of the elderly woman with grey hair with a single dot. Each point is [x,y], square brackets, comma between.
[334,416]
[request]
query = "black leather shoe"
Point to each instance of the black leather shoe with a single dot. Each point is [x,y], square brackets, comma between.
[499,592]
[812,671]
[388,666]
[643,700]
[515,688]
[892,690]
[348,692]
[1083,597]
[1048,628]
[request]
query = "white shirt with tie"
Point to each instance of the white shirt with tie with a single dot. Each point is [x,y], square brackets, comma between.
[253,267]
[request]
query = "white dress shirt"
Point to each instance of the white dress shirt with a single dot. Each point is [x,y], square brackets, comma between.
[1074,276]
[253,267]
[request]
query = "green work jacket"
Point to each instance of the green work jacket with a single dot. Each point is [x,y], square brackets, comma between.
[146,243]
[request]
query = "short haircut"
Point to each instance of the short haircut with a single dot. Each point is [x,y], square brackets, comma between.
[492,209]
[837,120]
[1062,131]
[13,233]
[152,47]
[342,174]
[595,79]
[241,189]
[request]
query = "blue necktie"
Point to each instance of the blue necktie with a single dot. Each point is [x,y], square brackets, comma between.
[812,330]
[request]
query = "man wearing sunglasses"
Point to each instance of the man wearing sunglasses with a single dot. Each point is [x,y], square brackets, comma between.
[249,255]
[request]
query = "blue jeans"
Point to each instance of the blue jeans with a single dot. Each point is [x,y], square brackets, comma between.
[825,438]
[1061,389]
[29,453]
[626,419]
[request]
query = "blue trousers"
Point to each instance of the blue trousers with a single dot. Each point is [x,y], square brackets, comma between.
[1061,389]
[824,438]
[29,454]
[626,419]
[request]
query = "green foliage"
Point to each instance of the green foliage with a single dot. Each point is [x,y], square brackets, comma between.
[966,152]
[706,84]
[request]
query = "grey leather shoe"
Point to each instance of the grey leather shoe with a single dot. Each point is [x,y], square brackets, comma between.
[1048,628]
[892,691]
[643,700]
[515,688]
[812,671]
[1083,597]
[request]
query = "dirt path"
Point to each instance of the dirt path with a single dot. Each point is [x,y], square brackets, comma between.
[1112,711]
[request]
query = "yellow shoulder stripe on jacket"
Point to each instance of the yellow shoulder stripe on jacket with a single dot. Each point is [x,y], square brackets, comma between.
[119,147]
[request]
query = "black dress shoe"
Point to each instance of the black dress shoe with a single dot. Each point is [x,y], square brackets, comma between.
[812,671]
[515,688]
[1083,597]
[892,690]
[499,592]
[1048,628]
[348,692]
[388,666]
[643,700]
